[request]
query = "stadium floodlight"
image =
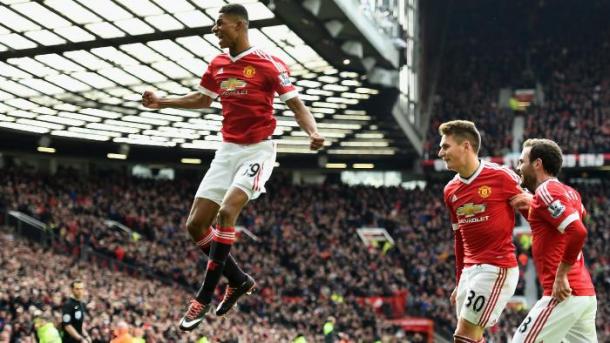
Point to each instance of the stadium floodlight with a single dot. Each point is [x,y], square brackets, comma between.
[46,150]
[116,156]
[363,165]
[336,165]
[190,160]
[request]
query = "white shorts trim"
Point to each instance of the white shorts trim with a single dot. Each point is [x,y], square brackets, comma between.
[572,320]
[247,167]
[483,292]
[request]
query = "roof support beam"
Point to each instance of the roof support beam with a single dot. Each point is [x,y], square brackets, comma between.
[59,49]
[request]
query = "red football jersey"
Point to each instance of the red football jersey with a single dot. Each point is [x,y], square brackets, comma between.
[554,207]
[482,217]
[246,85]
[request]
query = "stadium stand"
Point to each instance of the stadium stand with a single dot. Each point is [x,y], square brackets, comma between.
[486,52]
[308,256]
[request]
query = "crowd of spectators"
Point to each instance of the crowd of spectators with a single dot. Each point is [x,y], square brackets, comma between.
[308,261]
[299,265]
[522,44]
[35,278]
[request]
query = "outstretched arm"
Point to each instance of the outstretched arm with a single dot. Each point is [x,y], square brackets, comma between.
[193,100]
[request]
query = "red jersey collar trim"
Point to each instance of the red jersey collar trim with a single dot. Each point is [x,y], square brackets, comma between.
[242,54]
[474,176]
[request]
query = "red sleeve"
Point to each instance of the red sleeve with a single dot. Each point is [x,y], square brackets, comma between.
[555,206]
[458,243]
[576,233]
[511,183]
[459,256]
[208,84]
[281,80]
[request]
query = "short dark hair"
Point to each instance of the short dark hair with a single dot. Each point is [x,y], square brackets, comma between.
[462,130]
[548,152]
[73,283]
[236,10]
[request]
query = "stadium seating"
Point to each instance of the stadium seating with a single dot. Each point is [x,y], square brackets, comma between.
[308,257]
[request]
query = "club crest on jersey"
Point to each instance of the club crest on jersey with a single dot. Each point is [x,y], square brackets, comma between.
[249,71]
[484,191]
[470,209]
[232,84]
[284,79]
[556,208]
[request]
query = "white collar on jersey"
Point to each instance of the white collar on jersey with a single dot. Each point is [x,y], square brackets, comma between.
[242,54]
[474,176]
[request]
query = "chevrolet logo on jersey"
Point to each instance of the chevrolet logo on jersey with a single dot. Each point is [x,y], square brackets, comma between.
[232,84]
[470,209]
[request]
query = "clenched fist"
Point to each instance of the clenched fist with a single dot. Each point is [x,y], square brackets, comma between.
[150,100]
[316,141]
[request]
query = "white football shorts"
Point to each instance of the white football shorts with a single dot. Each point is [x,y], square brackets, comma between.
[246,166]
[572,320]
[483,292]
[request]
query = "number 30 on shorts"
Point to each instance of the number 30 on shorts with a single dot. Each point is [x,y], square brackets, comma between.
[252,169]
[477,304]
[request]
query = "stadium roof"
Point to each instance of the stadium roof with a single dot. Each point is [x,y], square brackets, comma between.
[76,69]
